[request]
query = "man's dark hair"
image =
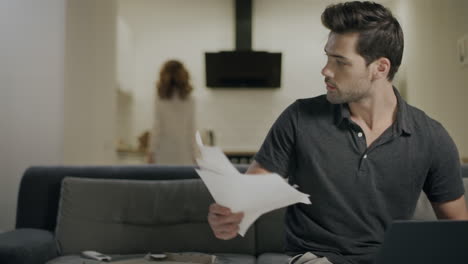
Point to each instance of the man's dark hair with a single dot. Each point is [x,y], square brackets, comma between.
[380,34]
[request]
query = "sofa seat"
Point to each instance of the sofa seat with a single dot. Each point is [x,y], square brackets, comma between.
[276,258]
[220,259]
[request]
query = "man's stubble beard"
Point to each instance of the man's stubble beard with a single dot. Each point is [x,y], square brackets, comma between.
[350,96]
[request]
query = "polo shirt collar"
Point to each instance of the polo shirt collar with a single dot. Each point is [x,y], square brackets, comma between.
[403,114]
[403,123]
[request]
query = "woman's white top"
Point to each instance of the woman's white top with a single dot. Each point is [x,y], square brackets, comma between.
[173,135]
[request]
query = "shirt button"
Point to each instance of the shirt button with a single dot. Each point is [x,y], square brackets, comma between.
[365,156]
[359,134]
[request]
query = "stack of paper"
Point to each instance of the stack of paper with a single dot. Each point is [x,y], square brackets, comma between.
[252,194]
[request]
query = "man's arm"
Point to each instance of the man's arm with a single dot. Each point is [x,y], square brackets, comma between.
[222,220]
[452,210]
[256,168]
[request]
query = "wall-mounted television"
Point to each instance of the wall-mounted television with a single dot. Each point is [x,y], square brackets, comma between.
[253,69]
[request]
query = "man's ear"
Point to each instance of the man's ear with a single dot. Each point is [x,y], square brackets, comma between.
[381,68]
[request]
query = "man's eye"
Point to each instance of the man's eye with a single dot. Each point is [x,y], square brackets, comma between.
[340,62]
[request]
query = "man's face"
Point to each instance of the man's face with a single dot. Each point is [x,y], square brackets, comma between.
[347,77]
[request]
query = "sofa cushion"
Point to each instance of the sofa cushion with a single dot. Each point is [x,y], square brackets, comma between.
[220,259]
[270,232]
[27,246]
[138,216]
[273,258]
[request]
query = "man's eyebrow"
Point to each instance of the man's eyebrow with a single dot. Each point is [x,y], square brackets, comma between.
[335,55]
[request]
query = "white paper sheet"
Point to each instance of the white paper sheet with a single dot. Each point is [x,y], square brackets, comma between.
[252,194]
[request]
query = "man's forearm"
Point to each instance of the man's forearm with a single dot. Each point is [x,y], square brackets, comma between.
[256,168]
[452,210]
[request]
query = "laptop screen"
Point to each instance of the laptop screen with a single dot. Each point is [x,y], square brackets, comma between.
[424,242]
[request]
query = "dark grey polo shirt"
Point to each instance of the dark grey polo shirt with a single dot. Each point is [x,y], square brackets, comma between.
[356,191]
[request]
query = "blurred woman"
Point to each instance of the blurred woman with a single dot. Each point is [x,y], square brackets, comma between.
[172,137]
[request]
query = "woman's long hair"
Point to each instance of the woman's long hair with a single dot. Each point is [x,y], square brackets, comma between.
[173,80]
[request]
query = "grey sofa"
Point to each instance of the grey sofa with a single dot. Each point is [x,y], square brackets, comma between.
[131,210]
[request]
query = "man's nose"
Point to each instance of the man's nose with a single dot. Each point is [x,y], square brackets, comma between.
[326,71]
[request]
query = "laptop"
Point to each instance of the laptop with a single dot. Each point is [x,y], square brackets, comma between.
[425,242]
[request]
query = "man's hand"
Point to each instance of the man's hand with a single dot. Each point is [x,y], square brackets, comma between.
[223,222]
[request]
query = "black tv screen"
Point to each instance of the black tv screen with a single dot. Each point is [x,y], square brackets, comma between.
[243,69]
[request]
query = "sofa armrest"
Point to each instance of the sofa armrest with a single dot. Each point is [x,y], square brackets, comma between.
[27,246]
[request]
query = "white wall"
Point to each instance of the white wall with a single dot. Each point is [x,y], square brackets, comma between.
[90,82]
[31,93]
[186,29]
[434,81]
[429,76]
[125,57]
[57,88]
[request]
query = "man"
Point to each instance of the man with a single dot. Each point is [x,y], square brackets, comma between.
[361,152]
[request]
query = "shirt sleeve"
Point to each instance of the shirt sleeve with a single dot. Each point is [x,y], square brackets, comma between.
[278,149]
[444,181]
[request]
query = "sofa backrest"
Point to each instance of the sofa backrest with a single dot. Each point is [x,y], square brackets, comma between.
[40,191]
[137,216]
